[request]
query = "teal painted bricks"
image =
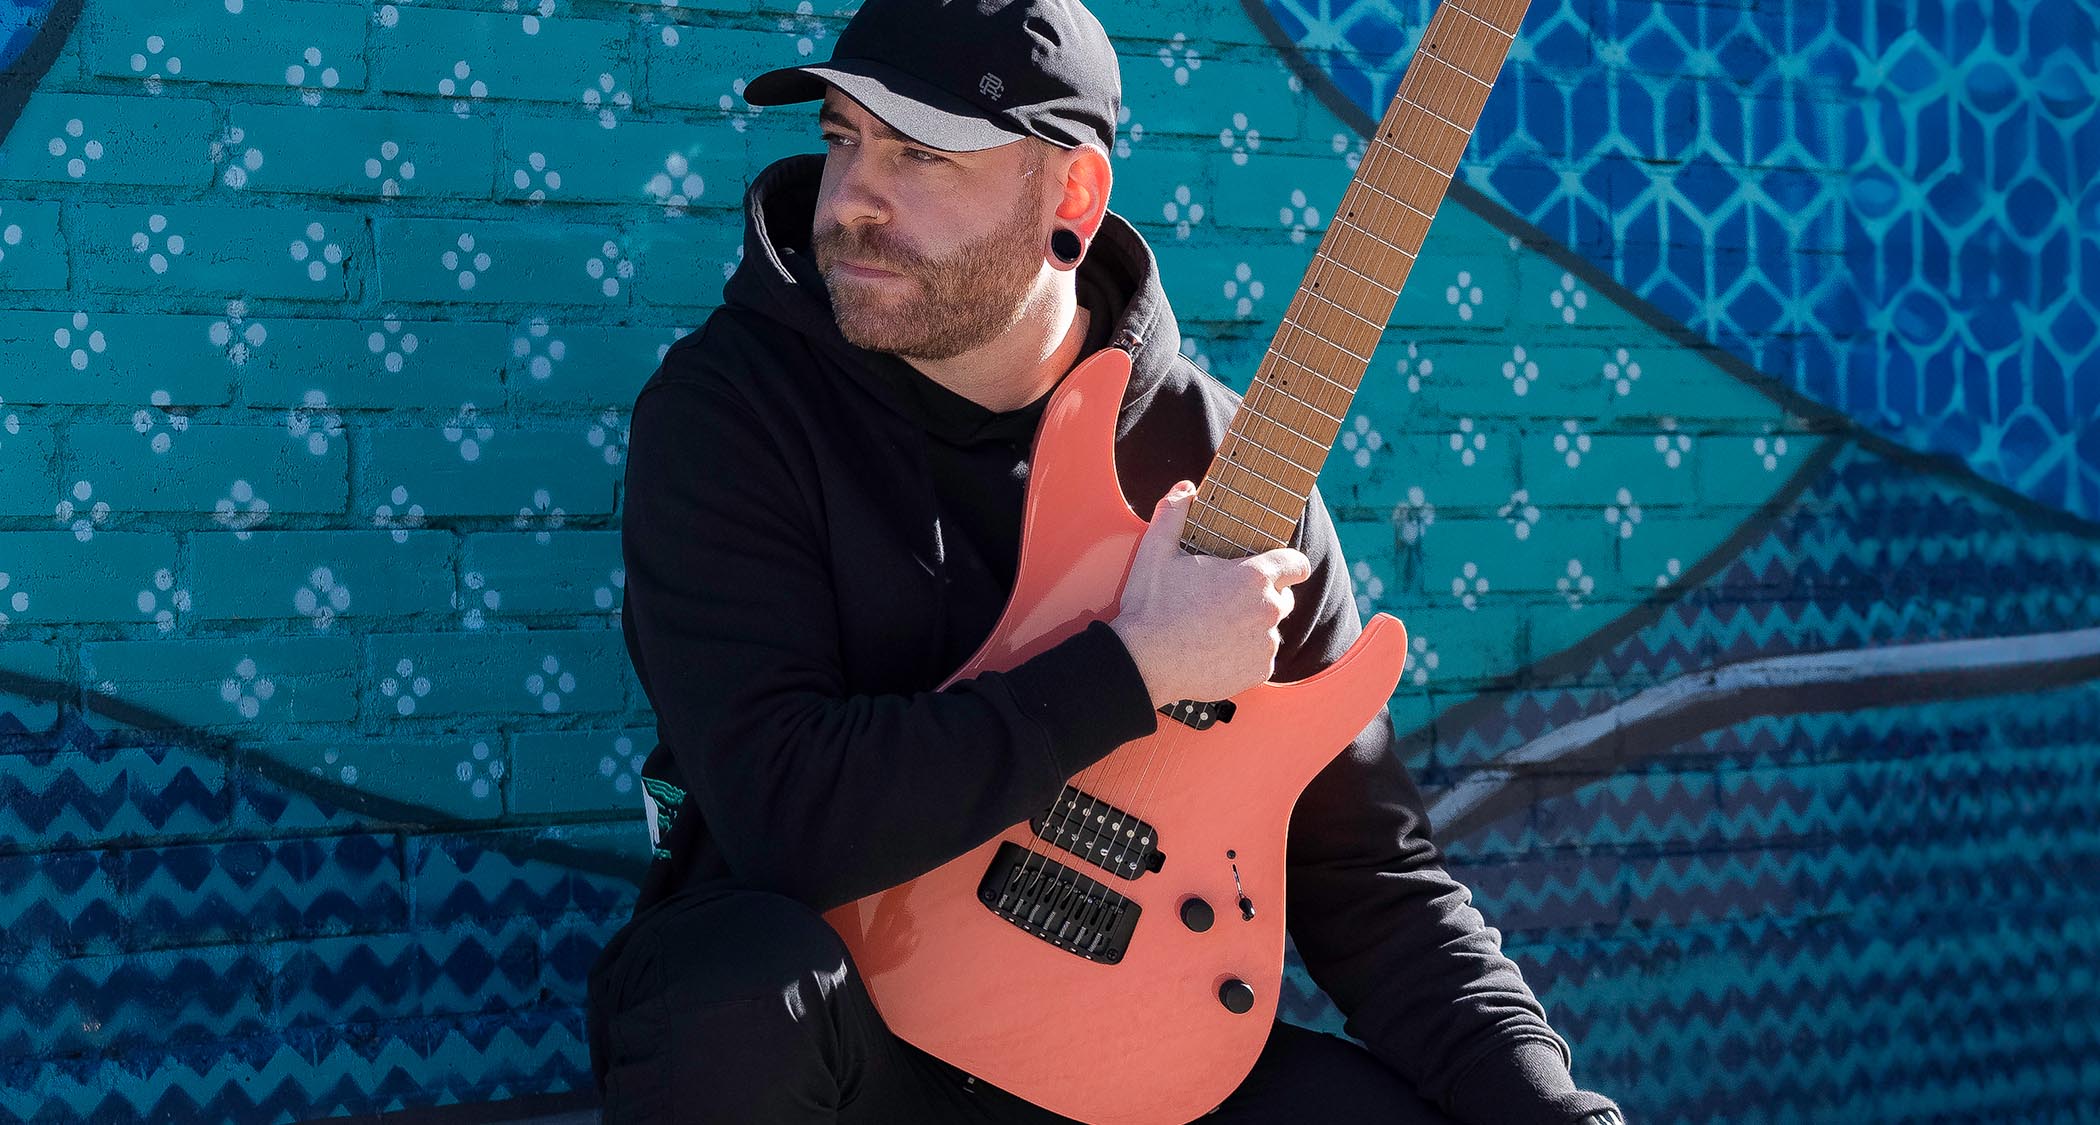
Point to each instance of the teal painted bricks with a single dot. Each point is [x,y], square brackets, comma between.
[235,681]
[542,672]
[241,475]
[468,60]
[320,325]
[71,138]
[351,153]
[472,467]
[447,261]
[317,578]
[207,251]
[317,49]
[32,247]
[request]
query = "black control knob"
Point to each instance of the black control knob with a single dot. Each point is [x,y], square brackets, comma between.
[1237,996]
[1197,915]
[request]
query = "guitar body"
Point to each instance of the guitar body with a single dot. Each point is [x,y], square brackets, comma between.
[1145,1040]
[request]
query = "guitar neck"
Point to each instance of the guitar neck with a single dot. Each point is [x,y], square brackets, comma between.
[1264,471]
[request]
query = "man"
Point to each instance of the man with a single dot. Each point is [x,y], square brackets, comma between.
[824,496]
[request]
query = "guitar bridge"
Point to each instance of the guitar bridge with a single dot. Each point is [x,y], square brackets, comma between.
[1058,904]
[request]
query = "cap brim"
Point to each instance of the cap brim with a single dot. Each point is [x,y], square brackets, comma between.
[914,108]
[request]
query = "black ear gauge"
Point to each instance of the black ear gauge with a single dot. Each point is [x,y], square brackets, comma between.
[1066,245]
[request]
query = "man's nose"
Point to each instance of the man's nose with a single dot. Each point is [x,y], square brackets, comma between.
[859,196]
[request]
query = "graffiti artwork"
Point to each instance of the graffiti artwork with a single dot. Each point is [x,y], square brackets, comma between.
[1732,456]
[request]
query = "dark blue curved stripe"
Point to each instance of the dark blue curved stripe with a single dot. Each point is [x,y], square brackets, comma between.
[19,23]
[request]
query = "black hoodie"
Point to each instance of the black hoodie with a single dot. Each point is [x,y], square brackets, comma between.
[817,535]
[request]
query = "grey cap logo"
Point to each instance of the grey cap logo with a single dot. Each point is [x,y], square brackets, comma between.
[991,86]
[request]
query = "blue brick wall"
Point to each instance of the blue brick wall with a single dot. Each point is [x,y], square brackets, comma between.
[319,325]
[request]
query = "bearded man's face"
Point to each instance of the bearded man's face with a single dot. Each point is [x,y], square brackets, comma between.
[927,254]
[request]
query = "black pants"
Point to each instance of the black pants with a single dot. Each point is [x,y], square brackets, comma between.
[746,1009]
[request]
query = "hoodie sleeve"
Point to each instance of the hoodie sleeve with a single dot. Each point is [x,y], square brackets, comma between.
[809,790]
[1383,928]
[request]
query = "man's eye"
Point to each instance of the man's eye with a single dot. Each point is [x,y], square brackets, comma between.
[924,157]
[834,138]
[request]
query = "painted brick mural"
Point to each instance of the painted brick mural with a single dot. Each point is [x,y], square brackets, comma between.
[1733,457]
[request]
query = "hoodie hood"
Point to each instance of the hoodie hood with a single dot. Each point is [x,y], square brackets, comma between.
[778,281]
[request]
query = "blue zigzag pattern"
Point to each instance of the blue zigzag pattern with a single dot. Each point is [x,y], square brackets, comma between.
[305,1073]
[1844,1017]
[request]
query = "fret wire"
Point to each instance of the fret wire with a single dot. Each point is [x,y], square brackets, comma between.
[1218,535]
[1288,494]
[1326,341]
[1375,283]
[1253,501]
[1373,167]
[1344,309]
[1449,65]
[1409,176]
[1367,233]
[1424,93]
[1364,333]
[1338,362]
[1317,418]
[1338,385]
[1374,236]
[1481,22]
[1197,518]
[1479,50]
[1341,362]
[1241,435]
[1313,415]
[1410,95]
[1441,173]
[1345,388]
[1430,112]
[1226,463]
[1514,11]
[1435,86]
[1372,293]
[1273,420]
[1259,532]
[1376,190]
[1318,446]
[1364,292]
[1319,296]
[1359,255]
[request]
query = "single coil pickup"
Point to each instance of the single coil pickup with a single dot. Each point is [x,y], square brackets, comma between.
[1058,904]
[1101,834]
[1198,713]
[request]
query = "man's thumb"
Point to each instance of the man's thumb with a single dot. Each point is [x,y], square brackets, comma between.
[1169,515]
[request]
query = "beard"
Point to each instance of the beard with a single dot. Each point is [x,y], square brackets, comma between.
[936,307]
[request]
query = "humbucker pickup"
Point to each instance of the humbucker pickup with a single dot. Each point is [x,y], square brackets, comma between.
[1101,834]
[1058,904]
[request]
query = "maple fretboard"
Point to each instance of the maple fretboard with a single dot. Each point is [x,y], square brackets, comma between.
[1263,475]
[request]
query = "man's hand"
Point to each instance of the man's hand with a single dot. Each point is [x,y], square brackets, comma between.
[1200,627]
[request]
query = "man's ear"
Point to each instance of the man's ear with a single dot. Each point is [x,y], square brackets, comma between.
[1086,180]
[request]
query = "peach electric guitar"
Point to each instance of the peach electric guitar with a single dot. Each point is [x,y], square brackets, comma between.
[1117,958]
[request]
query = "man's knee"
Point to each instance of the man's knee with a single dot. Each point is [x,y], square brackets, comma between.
[723,946]
[734,984]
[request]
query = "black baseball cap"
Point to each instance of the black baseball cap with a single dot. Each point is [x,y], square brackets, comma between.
[964,75]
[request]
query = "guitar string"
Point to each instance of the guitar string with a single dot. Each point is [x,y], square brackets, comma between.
[1110,791]
[1326,269]
[1323,271]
